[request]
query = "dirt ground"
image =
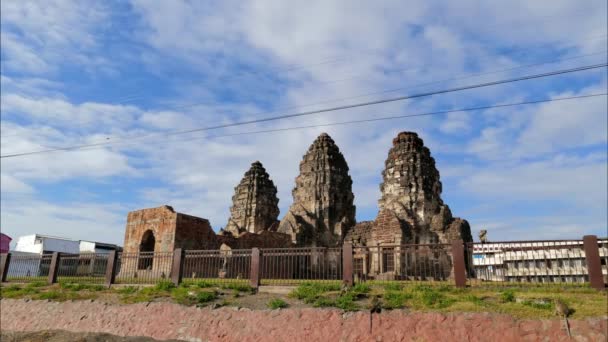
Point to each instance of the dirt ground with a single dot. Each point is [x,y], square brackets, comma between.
[67,336]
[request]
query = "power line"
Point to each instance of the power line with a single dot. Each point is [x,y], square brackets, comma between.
[384,118]
[414,86]
[356,105]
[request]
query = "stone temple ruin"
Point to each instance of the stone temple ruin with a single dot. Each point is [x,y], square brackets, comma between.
[255,206]
[411,211]
[322,211]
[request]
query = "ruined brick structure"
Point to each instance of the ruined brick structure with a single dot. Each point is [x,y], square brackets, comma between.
[322,210]
[254,204]
[163,230]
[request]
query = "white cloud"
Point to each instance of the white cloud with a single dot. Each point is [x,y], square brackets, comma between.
[37,36]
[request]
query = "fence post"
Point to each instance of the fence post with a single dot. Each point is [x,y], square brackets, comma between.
[54,268]
[177,269]
[460,276]
[5,260]
[111,268]
[594,263]
[347,264]
[254,274]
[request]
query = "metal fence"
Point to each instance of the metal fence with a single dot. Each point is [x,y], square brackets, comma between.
[83,268]
[218,266]
[290,266]
[418,263]
[26,268]
[513,263]
[143,267]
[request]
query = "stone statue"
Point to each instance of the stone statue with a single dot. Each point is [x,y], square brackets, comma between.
[483,236]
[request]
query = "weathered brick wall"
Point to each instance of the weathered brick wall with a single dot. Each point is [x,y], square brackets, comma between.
[387,229]
[161,221]
[194,233]
[265,239]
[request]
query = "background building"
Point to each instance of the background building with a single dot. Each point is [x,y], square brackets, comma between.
[543,262]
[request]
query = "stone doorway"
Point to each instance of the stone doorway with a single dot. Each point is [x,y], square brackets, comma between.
[146,251]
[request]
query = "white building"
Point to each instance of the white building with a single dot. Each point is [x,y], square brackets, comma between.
[542,261]
[45,244]
[31,256]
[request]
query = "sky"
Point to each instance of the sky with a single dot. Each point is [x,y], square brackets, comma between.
[127,73]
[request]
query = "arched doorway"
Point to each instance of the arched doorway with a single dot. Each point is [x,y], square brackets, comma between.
[146,246]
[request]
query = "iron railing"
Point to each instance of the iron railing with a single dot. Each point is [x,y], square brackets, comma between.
[143,267]
[510,263]
[290,266]
[26,268]
[83,268]
[419,263]
[218,266]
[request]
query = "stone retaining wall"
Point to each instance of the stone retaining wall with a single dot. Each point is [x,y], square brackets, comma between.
[172,321]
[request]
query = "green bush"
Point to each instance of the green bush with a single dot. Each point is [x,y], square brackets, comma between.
[277,303]
[507,296]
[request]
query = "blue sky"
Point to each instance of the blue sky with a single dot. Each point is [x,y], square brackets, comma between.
[77,72]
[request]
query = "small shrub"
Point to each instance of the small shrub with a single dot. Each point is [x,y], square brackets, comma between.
[507,296]
[395,300]
[206,296]
[393,287]
[277,303]
[165,285]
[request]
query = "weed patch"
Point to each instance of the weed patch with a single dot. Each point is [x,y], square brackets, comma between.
[277,303]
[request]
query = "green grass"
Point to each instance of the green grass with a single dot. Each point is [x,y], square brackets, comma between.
[80,286]
[309,292]
[395,299]
[276,303]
